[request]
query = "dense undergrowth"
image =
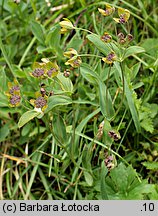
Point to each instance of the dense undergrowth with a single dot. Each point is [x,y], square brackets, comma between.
[78,110]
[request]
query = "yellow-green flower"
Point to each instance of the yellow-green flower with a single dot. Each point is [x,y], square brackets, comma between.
[66,25]
[74,59]
[124,15]
[71,53]
[108,11]
[106,37]
[13,88]
[14,100]
[110,58]
[74,62]
[40,103]
[45,69]
[13,94]
[52,69]
[38,70]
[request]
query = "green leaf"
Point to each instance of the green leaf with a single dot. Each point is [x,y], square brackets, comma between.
[123,184]
[151,46]
[147,124]
[53,40]
[133,50]
[132,107]
[76,42]
[135,69]
[18,72]
[92,77]
[27,116]
[59,128]
[26,129]
[4,132]
[3,101]
[151,165]
[53,37]
[36,130]
[104,48]
[138,85]
[41,49]
[38,31]
[86,119]
[57,100]
[86,158]
[3,80]
[81,125]
[105,101]
[89,74]
[65,83]
[130,101]
[88,178]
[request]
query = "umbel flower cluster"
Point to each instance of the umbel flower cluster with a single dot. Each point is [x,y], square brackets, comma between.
[13,94]
[48,70]
[123,17]
[43,70]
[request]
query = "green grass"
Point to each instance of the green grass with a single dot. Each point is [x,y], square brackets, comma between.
[97,136]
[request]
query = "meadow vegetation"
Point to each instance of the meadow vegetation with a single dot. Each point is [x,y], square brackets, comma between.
[78,99]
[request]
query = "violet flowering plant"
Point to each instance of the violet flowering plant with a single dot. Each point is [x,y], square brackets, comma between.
[75,97]
[116,51]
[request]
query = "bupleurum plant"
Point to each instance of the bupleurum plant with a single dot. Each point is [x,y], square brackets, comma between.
[115,49]
[75,105]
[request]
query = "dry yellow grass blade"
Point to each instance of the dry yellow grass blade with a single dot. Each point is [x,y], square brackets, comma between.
[17,159]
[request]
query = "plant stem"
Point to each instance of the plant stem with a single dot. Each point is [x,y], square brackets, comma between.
[107,81]
[26,52]
[123,93]
[84,30]
[90,55]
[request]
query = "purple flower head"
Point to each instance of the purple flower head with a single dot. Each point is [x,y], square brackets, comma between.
[110,56]
[40,102]
[14,89]
[38,72]
[15,99]
[51,71]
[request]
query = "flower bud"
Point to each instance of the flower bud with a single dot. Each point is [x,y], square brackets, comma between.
[106,38]
[108,11]
[110,58]
[129,37]
[66,73]
[66,24]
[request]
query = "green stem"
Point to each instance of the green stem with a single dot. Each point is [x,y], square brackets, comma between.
[118,128]
[124,135]
[107,81]
[90,55]
[123,93]
[83,30]
[26,51]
